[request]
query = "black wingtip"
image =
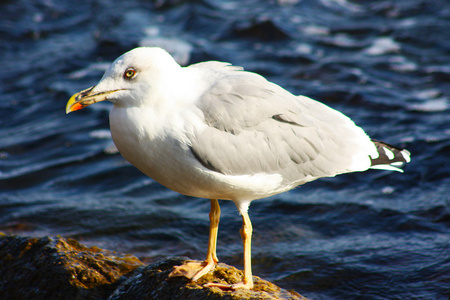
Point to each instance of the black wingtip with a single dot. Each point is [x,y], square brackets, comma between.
[389,157]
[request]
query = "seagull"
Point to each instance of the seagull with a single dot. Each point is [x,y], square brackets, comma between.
[212,130]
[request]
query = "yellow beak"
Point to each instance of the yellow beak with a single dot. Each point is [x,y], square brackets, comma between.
[86,97]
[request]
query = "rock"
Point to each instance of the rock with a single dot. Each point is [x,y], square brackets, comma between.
[59,268]
[152,282]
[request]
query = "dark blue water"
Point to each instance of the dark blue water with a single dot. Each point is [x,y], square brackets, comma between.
[386,64]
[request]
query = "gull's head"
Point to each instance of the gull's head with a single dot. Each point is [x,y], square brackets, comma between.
[141,71]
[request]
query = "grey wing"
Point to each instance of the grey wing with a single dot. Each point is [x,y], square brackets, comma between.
[255,126]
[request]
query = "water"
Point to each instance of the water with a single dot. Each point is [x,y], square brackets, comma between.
[386,64]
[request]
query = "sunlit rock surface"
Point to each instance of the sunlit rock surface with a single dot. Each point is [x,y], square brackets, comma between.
[59,268]
[153,283]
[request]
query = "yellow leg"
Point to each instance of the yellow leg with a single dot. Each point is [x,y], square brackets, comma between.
[196,269]
[211,256]
[214,218]
[246,234]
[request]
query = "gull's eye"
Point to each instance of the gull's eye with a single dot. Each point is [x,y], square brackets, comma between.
[129,73]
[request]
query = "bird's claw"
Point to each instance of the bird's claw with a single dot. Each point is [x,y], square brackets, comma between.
[248,285]
[193,270]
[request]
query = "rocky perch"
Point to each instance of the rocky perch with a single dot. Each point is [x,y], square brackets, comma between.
[59,268]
